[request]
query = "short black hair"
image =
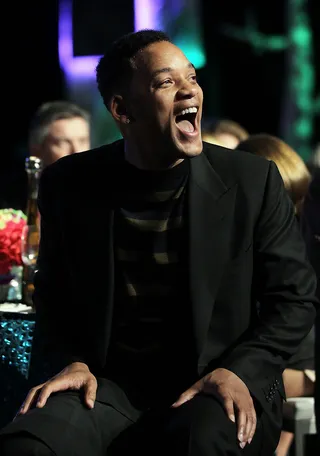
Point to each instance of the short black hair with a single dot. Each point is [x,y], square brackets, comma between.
[115,67]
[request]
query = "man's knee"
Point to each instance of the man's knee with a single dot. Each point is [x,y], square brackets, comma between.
[23,444]
[205,425]
[210,420]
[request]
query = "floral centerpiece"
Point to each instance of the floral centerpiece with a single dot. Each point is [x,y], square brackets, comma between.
[12,223]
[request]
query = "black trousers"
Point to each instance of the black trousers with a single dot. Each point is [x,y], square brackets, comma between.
[65,427]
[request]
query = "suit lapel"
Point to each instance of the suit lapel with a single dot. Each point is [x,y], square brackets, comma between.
[211,206]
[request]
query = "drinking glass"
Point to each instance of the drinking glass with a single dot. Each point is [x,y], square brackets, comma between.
[30,245]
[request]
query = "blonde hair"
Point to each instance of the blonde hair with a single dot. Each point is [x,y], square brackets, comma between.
[211,130]
[292,168]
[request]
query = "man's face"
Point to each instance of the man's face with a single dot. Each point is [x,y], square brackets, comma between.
[165,102]
[65,137]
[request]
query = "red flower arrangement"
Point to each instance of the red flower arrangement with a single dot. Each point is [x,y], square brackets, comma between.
[11,225]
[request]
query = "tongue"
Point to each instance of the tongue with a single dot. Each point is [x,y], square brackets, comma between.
[185,125]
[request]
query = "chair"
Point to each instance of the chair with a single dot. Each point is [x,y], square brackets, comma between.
[299,418]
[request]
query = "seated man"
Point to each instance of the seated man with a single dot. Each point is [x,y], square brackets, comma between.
[59,128]
[148,318]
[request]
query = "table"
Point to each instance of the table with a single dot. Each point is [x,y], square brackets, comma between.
[16,336]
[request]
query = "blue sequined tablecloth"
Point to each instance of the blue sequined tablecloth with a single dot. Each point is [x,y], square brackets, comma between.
[16,336]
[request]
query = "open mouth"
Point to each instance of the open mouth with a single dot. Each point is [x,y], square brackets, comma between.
[186,120]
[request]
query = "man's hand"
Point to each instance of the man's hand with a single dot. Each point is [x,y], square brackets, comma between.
[235,397]
[73,377]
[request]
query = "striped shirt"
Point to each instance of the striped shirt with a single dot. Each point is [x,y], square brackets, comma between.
[151,265]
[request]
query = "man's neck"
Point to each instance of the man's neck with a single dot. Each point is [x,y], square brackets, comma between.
[147,162]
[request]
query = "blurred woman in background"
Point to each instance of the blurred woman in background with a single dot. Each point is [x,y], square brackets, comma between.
[293,170]
[299,376]
[224,132]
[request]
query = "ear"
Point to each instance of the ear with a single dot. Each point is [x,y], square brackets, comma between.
[118,109]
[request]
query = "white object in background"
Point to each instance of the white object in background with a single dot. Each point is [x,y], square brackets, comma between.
[299,412]
[17,308]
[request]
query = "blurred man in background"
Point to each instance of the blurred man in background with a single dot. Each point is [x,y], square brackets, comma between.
[59,128]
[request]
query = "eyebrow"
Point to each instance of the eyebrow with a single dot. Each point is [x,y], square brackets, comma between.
[169,69]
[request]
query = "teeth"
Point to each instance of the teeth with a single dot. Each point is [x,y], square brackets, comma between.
[188,111]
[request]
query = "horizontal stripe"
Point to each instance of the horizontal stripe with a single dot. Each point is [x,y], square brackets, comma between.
[131,289]
[166,258]
[157,226]
[133,272]
[165,195]
[152,214]
[149,242]
[148,289]
[130,256]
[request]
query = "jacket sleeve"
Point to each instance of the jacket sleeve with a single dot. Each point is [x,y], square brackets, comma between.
[310,224]
[284,284]
[53,346]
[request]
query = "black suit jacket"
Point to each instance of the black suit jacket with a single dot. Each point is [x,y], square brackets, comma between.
[244,248]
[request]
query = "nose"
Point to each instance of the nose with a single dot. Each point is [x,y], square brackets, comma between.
[187,90]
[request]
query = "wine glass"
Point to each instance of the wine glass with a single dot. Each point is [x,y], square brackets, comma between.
[30,245]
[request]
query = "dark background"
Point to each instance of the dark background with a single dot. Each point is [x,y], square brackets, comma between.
[238,83]
[107,19]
